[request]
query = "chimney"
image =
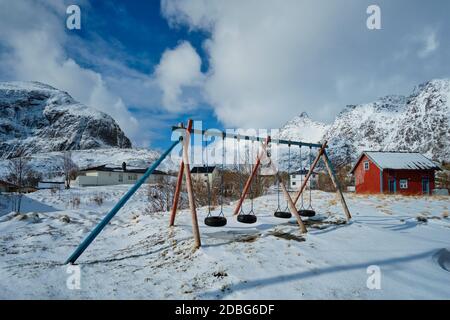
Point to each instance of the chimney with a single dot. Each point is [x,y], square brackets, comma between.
[124,166]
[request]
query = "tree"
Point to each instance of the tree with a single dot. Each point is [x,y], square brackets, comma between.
[70,169]
[22,175]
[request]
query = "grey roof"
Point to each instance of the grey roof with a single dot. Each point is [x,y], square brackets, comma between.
[399,161]
[303,172]
[203,169]
[106,168]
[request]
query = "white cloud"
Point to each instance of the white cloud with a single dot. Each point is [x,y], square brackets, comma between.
[429,43]
[33,39]
[179,70]
[257,56]
[270,60]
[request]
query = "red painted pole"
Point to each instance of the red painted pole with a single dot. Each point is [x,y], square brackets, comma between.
[176,196]
[308,176]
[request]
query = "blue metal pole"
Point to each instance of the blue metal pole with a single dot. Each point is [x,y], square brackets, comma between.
[94,233]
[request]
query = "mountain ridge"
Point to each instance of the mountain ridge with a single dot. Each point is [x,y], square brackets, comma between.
[418,122]
[37,117]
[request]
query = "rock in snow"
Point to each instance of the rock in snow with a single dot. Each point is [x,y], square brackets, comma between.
[40,118]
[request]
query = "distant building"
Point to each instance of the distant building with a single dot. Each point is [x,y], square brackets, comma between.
[296,178]
[7,187]
[405,173]
[205,174]
[109,175]
[55,185]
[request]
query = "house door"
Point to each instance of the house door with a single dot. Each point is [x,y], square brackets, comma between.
[425,186]
[392,185]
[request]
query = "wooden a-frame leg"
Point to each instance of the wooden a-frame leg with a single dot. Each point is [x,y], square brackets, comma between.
[311,170]
[291,204]
[189,188]
[250,178]
[336,185]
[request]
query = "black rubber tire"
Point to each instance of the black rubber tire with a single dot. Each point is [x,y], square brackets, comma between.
[247,218]
[282,215]
[215,221]
[306,213]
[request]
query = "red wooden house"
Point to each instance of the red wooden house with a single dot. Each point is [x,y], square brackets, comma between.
[394,172]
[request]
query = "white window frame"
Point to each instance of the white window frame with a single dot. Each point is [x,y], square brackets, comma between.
[403,183]
[366,165]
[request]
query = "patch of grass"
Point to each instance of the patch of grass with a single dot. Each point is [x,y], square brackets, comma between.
[286,236]
[332,202]
[249,238]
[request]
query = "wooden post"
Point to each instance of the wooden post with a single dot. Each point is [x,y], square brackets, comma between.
[336,185]
[176,196]
[250,178]
[311,170]
[189,188]
[291,204]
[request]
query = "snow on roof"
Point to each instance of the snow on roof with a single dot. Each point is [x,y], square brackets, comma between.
[399,160]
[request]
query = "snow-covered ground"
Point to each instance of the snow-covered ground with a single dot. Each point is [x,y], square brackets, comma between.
[138,256]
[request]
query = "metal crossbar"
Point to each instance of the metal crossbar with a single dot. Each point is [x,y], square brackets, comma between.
[237,136]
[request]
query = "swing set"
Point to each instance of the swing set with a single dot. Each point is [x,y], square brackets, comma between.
[219,219]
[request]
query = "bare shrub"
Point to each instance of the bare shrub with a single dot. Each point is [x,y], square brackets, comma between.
[160,195]
[22,175]
[98,199]
[69,168]
[75,202]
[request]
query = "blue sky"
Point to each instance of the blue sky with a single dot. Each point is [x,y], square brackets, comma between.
[232,64]
[143,35]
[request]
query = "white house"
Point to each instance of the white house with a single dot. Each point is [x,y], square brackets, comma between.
[109,175]
[296,178]
[205,174]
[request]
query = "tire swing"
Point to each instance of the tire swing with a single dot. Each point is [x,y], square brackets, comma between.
[216,220]
[250,217]
[283,214]
[308,212]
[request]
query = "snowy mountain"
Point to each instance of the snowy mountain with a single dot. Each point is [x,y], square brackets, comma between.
[303,128]
[419,122]
[50,164]
[40,118]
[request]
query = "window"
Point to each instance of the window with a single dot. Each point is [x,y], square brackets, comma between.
[294,176]
[366,165]
[294,183]
[120,177]
[403,183]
